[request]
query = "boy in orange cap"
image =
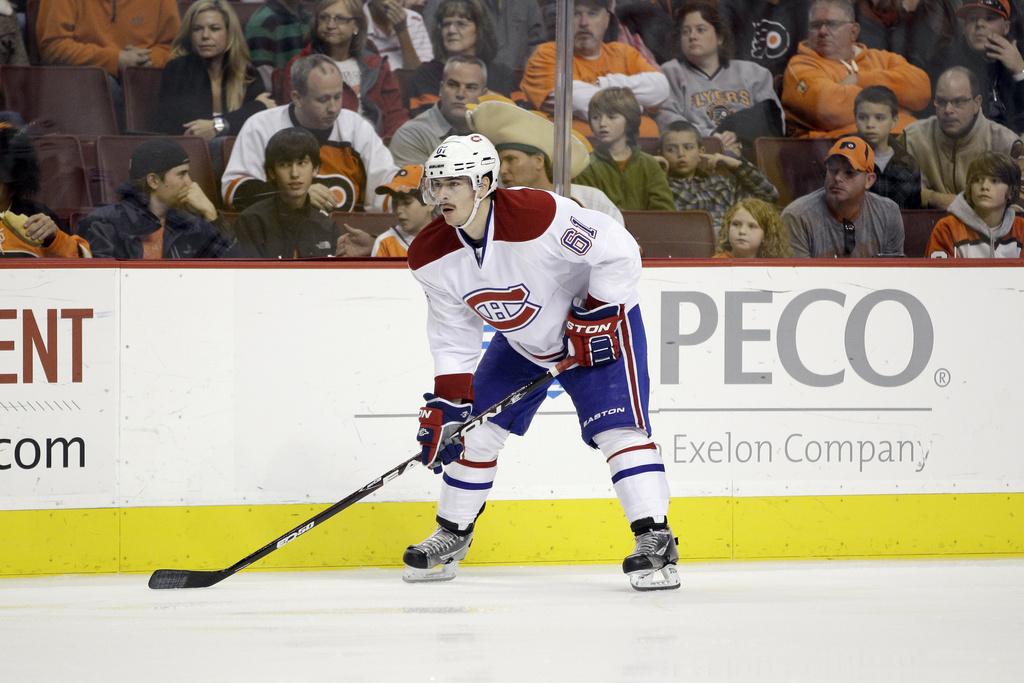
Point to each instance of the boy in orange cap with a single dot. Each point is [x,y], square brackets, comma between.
[406,203]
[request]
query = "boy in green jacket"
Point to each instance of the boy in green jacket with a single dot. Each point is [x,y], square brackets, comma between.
[631,178]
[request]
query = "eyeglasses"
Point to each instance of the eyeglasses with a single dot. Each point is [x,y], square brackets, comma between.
[956,102]
[336,19]
[457,24]
[830,26]
[849,237]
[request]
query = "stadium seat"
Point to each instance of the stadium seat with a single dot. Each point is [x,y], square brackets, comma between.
[404,78]
[225,150]
[60,99]
[113,153]
[917,228]
[280,90]
[672,234]
[63,187]
[796,166]
[141,92]
[373,223]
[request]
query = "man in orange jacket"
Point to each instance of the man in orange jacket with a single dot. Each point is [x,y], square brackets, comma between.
[111,34]
[830,68]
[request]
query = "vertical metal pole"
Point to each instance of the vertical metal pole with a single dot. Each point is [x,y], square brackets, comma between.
[564,25]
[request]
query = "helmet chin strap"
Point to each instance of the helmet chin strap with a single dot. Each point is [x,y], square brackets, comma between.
[472,214]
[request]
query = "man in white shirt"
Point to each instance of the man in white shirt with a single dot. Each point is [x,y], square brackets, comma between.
[353,158]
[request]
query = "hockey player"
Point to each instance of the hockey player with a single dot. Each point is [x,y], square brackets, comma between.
[553,279]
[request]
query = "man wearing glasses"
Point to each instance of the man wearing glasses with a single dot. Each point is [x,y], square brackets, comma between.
[830,68]
[945,144]
[843,219]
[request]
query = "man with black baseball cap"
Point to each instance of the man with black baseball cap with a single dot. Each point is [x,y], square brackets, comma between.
[843,219]
[162,213]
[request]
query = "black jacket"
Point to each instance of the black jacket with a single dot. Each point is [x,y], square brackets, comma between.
[765,33]
[186,95]
[269,229]
[922,37]
[901,179]
[117,231]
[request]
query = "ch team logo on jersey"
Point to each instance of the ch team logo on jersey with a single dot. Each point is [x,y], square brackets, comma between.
[506,310]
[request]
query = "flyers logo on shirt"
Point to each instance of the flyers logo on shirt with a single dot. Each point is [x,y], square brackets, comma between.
[341,189]
[342,170]
[506,309]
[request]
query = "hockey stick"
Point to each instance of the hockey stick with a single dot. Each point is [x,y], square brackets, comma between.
[188,578]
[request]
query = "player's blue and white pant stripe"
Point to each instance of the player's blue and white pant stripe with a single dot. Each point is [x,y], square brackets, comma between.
[639,469]
[469,475]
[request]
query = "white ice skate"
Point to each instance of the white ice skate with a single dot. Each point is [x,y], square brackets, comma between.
[652,566]
[437,557]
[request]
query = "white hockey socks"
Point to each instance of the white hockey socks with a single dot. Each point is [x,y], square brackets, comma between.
[638,473]
[466,482]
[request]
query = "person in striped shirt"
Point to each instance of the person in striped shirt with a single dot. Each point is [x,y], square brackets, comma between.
[275,33]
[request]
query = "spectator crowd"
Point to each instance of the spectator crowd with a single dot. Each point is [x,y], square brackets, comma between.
[794,128]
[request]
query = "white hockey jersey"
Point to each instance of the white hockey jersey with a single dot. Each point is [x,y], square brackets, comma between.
[353,162]
[540,250]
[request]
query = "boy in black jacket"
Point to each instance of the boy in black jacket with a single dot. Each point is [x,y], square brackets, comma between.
[286,224]
[897,174]
[162,213]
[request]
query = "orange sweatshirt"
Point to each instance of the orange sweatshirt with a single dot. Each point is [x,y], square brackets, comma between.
[93,32]
[818,105]
[617,64]
[63,246]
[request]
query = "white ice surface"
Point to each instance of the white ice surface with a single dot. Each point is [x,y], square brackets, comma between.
[871,621]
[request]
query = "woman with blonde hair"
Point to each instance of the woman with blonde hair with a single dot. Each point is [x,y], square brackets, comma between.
[209,87]
[752,228]
[339,31]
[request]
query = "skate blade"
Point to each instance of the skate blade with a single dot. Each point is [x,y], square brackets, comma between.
[662,579]
[442,572]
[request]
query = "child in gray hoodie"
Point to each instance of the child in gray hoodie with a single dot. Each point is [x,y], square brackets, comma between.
[981,221]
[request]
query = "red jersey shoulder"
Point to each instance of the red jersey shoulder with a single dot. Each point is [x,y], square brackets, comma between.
[436,240]
[522,215]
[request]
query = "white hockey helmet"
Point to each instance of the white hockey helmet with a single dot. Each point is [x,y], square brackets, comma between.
[470,155]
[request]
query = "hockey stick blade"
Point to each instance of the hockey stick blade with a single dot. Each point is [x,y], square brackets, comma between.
[186,578]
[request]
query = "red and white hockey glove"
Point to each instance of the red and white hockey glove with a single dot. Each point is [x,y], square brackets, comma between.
[593,335]
[439,419]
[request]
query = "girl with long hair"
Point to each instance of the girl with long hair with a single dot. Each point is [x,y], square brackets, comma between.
[209,87]
[751,228]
